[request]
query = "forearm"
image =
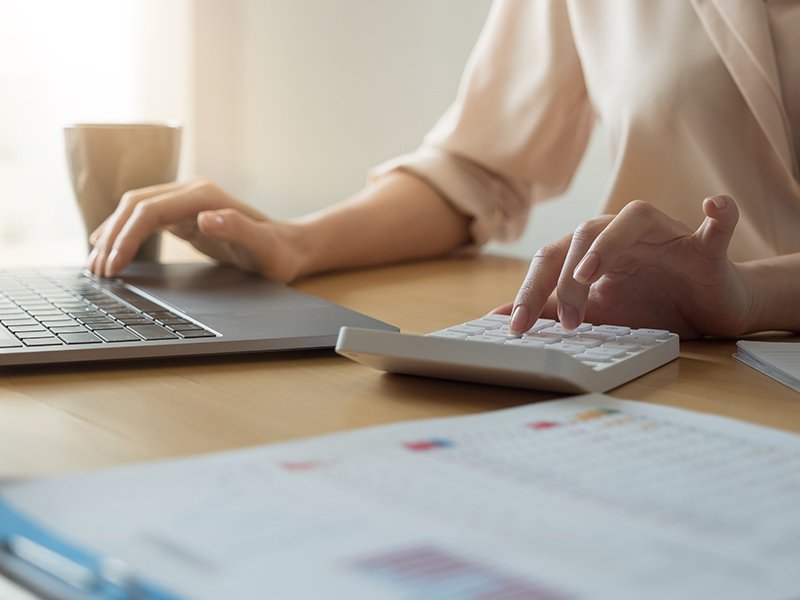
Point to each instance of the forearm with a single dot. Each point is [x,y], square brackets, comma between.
[776,287]
[399,218]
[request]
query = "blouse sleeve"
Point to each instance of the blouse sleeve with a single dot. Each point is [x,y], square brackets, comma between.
[519,125]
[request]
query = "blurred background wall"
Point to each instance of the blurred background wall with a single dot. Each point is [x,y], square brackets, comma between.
[286,103]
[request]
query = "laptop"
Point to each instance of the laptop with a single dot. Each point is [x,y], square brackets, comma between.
[159,310]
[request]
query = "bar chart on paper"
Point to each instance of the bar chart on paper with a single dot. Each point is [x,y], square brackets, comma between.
[588,497]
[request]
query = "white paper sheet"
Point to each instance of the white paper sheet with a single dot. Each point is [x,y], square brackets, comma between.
[588,497]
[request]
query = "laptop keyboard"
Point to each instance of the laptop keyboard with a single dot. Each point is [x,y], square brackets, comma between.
[63,308]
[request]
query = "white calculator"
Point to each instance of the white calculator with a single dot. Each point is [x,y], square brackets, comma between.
[590,358]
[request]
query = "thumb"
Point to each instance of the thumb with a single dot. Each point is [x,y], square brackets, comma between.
[714,234]
[230,225]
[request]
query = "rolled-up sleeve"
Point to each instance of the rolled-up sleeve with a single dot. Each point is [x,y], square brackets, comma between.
[519,125]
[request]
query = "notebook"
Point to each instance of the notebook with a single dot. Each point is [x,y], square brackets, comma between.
[779,360]
[159,310]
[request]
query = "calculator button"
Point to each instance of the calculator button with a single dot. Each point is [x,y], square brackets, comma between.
[485,324]
[613,329]
[656,334]
[594,358]
[497,318]
[541,324]
[586,341]
[486,339]
[501,334]
[545,338]
[628,346]
[448,334]
[467,329]
[569,348]
[609,352]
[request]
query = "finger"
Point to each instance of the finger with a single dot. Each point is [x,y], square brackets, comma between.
[249,243]
[503,309]
[572,295]
[539,282]
[141,194]
[548,312]
[151,214]
[638,222]
[715,232]
[109,230]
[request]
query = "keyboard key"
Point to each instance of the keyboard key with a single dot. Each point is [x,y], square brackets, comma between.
[196,333]
[104,325]
[152,332]
[118,335]
[46,314]
[20,321]
[29,335]
[79,338]
[174,321]
[19,328]
[60,322]
[124,313]
[51,341]
[68,329]
[188,326]
[140,320]
[7,340]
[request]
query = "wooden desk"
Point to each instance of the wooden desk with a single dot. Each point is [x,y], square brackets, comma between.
[67,418]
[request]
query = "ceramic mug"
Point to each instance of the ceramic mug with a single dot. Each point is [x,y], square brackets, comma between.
[106,160]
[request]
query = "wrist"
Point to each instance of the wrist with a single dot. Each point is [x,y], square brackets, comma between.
[775,287]
[293,250]
[754,314]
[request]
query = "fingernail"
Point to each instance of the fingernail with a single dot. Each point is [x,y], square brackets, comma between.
[111,263]
[719,201]
[519,319]
[586,268]
[568,316]
[90,260]
[215,221]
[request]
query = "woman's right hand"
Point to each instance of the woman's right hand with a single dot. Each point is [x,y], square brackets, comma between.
[201,213]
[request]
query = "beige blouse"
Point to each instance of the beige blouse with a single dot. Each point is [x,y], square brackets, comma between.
[697,98]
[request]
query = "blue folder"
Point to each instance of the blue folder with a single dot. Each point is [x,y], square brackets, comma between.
[53,568]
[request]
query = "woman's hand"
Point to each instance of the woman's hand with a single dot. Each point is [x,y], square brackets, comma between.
[643,269]
[200,212]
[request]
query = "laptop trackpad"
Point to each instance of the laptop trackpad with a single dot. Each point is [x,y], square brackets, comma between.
[234,302]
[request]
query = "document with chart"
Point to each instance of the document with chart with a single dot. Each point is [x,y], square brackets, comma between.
[585,497]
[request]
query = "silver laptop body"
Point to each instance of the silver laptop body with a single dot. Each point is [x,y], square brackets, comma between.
[156,310]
